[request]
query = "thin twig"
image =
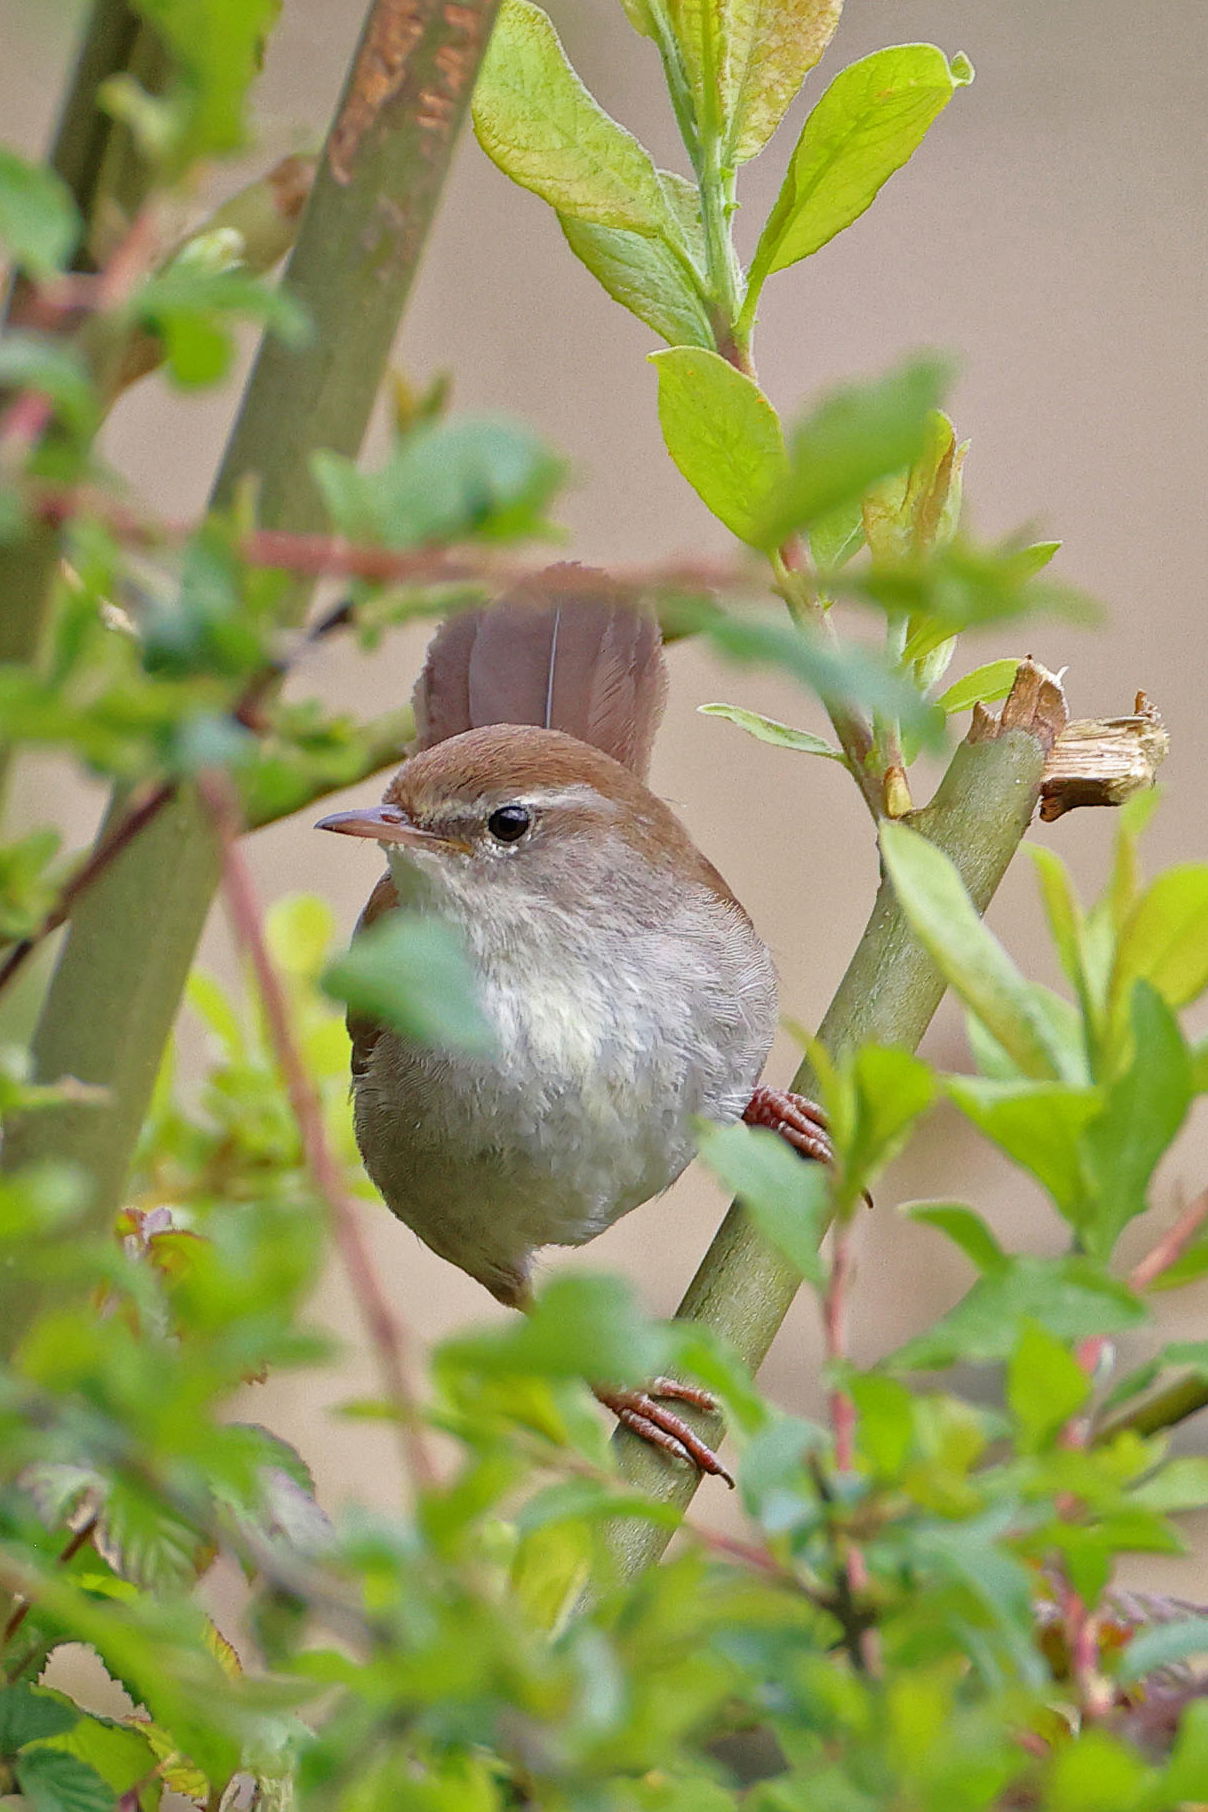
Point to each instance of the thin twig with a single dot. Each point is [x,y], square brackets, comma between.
[384,1331]
[1172,1244]
[863,1645]
[124,833]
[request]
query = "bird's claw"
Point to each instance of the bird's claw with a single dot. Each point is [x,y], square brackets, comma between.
[799,1121]
[642,1412]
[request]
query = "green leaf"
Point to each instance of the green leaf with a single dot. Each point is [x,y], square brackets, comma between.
[1038,1125]
[120,1754]
[536,120]
[1144,1110]
[867,124]
[646,276]
[963,1227]
[845,676]
[1045,1387]
[886,1421]
[216,48]
[1164,940]
[28,1713]
[968,955]
[54,1782]
[768,49]
[767,729]
[411,972]
[39,221]
[29,362]
[855,436]
[722,433]
[580,1326]
[982,686]
[893,1088]
[1064,913]
[788,1199]
[837,536]
[482,477]
[1096,1773]
[1180,1485]
[1187,1769]
[1072,1297]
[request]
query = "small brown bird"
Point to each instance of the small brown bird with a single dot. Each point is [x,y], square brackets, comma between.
[628,989]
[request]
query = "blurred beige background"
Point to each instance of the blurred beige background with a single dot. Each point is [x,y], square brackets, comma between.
[1051,234]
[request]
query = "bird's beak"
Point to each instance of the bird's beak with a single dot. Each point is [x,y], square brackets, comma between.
[384,823]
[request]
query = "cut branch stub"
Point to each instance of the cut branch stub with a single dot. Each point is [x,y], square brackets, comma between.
[1104,760]
[1035,703]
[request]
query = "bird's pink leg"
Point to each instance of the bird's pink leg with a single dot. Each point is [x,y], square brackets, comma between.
[644,1415]
[802,1123]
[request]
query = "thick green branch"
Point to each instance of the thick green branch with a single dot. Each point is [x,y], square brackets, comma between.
[889,994]
[128,950]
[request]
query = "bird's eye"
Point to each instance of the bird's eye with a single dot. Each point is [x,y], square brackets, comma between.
[509,823]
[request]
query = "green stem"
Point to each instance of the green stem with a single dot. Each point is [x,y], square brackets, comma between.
[744,1288]
[128,950]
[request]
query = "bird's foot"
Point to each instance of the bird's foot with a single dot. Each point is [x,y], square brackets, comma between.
[802,1123]
[642,1412]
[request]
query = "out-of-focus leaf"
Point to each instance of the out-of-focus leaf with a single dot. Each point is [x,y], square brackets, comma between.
[446,480]
[1071,1297]
[28,1713]
[536,120]
[836,537]
[216,48]
[866,126]
[1045,1386]
[788,1200]
[767,729]
[854,436]
[411,972]
[722,433]
[971,959]
[1038,1125]
[1144,1110]
[39,221]
[29,362]
[846,676]
[963,1227]
[580,1327]
[1164,940]
[54,1782]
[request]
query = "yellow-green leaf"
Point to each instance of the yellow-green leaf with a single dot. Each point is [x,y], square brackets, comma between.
[536,120]
[768,49]
[722,433]
[1165,939]
[871,119]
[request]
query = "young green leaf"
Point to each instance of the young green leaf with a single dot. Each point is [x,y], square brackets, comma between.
[1045,1386]
[768,49]
[1038,1125]
[963,1227]
[645,276]
[39,222]
[892,1089]
[767,729]
[1145,1108]
[789,1201]
[53,1782]
[968,955]
[837,536]
[722,433]
[411,972]
[216,49]
[1165,1645]
[982,686]
[855,436]
[1071,1297]
[1164,940]
[536,120]
[867,124]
